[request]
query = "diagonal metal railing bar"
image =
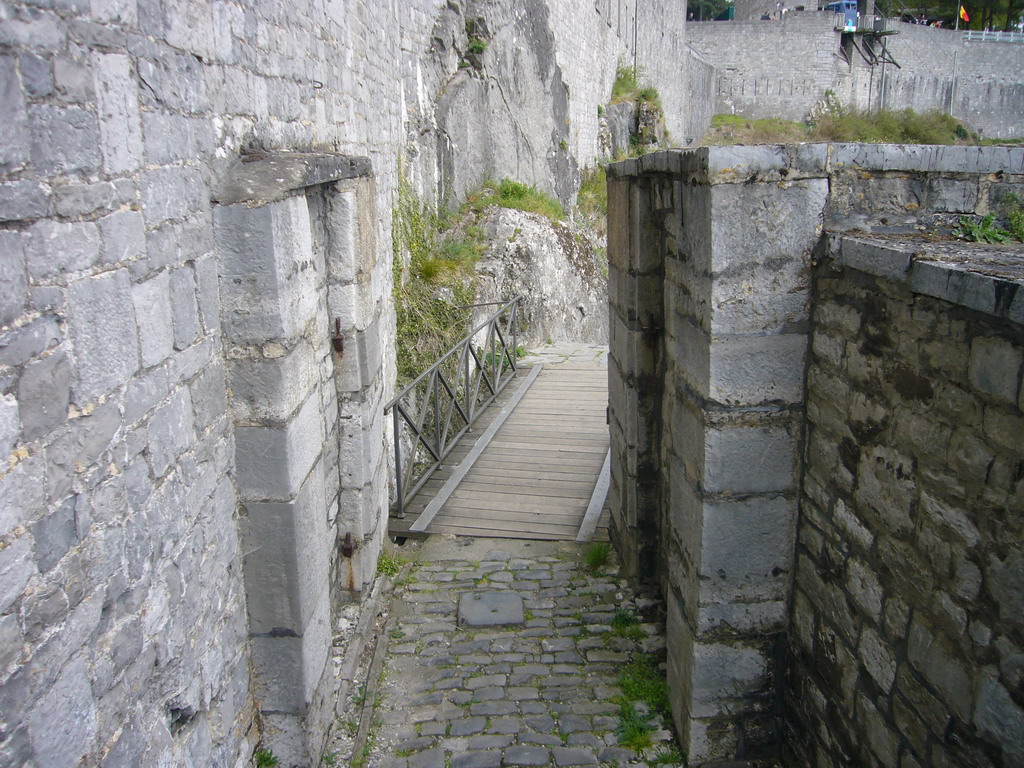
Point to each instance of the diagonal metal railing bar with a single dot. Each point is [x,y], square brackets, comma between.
[417,432]
[439,406]
[453,405]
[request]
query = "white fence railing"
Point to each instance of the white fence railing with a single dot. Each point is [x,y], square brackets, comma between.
[984,35]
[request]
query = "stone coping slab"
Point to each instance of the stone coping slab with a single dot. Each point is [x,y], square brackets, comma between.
[267,176]
[788,162]
[983,277]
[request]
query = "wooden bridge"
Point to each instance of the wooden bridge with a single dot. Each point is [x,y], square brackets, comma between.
[536,464]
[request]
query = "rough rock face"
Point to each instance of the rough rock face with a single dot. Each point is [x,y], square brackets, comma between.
[617,126]
[553,267]
[499,105]
[628,126]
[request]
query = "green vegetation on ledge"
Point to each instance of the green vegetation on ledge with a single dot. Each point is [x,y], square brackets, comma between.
[837,124]
[1012,207]
[512,194]
[441,280]
[432,295]
[629,85]
[903,126]
[987,229]
[593,195]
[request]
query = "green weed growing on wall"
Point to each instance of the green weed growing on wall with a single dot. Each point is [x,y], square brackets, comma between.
[438,282]
[434,266]
[630,85]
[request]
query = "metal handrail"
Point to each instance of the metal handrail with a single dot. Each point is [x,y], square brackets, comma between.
[444,401]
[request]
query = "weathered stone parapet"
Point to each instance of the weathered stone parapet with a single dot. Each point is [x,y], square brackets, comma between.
[723,240]
[728,389]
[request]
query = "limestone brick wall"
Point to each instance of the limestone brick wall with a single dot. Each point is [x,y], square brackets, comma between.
[183,447]
[906,603]
[904,629]
[124,624]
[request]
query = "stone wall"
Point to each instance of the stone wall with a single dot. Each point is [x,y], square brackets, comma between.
[166,381]
[906,603]
[710,255]
[192,195]
[702,85]
[895,642]
[771,69]
[782,69]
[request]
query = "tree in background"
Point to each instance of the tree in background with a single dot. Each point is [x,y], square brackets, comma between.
[984,14]
[706,10]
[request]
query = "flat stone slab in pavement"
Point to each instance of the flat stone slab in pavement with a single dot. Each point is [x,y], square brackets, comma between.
[541,692]
[490,609]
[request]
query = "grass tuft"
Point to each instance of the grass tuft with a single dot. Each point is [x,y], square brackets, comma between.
[641,680]
[593,195]
[597,555]
[626,624]
[389,564]
[634,730]
[629,85]
[515,195]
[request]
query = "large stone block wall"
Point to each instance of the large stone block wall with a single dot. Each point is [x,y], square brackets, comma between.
[175,427]
[710,255]
[906,604]
[900,446]
[309,449]
[131,490]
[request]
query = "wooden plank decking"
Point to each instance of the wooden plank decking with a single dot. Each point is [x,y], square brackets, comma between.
[536,476]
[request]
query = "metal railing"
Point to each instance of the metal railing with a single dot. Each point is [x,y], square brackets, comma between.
[865,24]
[988,36]
[441,404]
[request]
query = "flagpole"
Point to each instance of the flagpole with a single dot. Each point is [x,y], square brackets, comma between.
[958,7]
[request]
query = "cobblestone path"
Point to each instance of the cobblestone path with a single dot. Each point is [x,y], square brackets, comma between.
[543,692]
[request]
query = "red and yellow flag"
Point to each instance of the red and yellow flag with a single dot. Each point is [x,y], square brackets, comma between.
[963,14]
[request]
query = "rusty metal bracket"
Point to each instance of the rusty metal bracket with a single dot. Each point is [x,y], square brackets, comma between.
[349,546]
[338,339]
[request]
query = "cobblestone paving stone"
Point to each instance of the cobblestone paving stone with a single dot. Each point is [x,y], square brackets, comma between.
[537,694]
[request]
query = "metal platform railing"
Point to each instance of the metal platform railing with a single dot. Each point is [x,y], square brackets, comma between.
[441,404]
[867,24]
